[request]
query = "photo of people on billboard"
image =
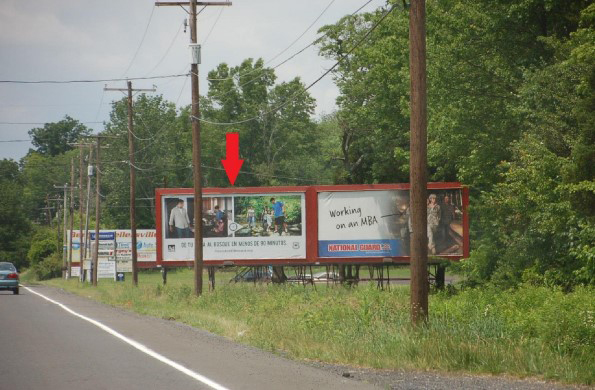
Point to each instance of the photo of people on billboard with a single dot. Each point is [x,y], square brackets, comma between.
[378,223]
[235,226]
[217,212]
[265,216]
[180,218]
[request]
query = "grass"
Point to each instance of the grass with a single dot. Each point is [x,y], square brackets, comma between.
[530,331]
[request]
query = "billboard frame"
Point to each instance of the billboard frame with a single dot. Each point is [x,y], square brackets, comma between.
[311,221]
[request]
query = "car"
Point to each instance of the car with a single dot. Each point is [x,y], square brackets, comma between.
[9,277]
[251,274]
[326,276]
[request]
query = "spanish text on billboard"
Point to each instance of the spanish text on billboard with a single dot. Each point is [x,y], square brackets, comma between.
[254,226]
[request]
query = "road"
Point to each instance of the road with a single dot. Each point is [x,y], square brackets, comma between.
[75,343]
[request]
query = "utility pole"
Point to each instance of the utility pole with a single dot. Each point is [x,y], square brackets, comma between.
[89,176]
[97,211]
[95,258]
[132,175]
[71,215]
[80,187]
[196,160]
[418,163]
[65,267]
[48,213]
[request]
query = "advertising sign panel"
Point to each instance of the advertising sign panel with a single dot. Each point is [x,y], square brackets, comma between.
[377,223]
[235,226]
[106,269]
[145,246]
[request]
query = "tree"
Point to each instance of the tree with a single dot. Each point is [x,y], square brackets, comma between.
[53,138]
[509,82]
[14,225]
[280,145]
[162,155]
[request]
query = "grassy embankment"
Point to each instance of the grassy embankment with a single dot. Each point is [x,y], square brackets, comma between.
[531,331]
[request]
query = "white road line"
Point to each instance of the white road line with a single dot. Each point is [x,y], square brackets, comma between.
[137,345]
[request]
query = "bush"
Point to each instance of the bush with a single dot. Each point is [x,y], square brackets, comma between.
[50,267]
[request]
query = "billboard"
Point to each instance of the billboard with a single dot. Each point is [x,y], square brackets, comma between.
[117,245]
[364,224]
[255,226]
[378,224]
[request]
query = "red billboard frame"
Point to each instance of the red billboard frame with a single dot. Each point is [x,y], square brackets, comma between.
[311,200]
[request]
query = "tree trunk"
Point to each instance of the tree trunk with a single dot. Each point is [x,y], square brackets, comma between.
[278,274]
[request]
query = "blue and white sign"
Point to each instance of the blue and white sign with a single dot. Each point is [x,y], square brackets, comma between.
[362,224]
[104,236]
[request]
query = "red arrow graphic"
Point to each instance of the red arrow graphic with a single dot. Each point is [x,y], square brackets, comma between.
[232,162]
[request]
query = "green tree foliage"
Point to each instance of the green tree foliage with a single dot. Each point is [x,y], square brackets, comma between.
[39,174]
[44,255]
[510,100]
[163,145]
[14,224]
[281,146]
[53,138]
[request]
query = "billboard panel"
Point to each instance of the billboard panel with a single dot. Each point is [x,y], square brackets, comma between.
[255,226]
[145,245]
[377,223]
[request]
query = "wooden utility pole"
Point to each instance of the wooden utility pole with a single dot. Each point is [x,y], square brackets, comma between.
[97,210]
[129,90]
[418,170]
[71,216]
[86,240]
[48,213]
[81,167]
[65,187]
[196,159]
[95,257]
[82,241]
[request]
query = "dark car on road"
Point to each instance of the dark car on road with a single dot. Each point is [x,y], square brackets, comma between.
[9,278]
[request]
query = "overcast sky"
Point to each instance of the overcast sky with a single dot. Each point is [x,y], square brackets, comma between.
[73,40]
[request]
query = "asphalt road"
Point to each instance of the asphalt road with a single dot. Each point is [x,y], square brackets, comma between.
[43,346]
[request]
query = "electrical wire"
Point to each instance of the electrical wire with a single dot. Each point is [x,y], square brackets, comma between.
[90,80]
[291,98]
[141,42]
[213,26]
[276,66]
[290,57]
[303,33]
[100,103]
[167,51]
[39,123]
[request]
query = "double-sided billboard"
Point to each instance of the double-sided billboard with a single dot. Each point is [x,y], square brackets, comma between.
[235,226]
[362,224]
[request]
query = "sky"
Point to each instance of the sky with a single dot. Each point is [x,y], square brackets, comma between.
[89,40]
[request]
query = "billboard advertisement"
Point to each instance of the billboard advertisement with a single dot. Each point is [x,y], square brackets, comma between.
[117,244]
[367,224]
[235,226]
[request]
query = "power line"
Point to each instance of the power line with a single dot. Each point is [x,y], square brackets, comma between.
[290,57]
[290,99]
[38,123]
[89,80]
[141,42]
[167,51]
[303,33]
[213,26]
[279,64]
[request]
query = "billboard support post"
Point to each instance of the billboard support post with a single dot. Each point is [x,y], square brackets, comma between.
[418,163]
